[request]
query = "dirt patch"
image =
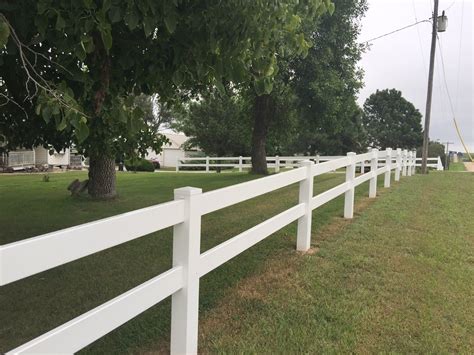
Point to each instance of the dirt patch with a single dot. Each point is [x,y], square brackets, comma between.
[469,166]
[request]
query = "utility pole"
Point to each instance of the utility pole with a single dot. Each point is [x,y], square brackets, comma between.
[426,133]
[446,163]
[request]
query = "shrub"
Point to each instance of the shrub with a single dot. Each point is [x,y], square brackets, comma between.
[139,165]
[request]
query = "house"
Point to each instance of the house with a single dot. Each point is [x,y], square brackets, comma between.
[39,156]
[171,152]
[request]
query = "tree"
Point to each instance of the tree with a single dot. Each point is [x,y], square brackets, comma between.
[216,123]
[392,121]
[327,81]
[435,149]
[84,62]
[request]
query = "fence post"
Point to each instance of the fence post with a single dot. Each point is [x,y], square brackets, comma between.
[177,165]
[349,194]
[439,165]
[303,239]
[398,165]
[413,171]
[277,164]
[373,170]
[388,163]
[404,162]
[207,164]
[317,158]
[409,162]
[186,253]
[240,164]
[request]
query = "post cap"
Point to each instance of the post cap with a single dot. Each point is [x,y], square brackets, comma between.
[306,162]
[184,192]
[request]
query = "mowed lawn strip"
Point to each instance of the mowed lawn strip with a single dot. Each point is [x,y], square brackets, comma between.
[398,279]
[30,207]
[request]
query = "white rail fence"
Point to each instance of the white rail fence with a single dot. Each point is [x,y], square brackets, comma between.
[432,163]
[24,258]
[276,162]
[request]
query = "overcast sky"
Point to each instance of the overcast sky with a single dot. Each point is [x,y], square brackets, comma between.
[401,61]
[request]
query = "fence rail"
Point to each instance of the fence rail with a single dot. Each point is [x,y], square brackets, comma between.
[278,162]
[30,256]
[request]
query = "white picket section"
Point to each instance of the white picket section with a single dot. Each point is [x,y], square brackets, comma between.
[30,256]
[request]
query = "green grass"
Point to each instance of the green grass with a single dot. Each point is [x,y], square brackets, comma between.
[457,166]
[399,279]
[341,298]
[41,302]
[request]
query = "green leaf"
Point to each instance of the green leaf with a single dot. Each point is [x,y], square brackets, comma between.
[148,26]
[106,5]
[38,109]
[170,22]
[62,125]
[131,18]
[87,44]
[114,14]
[106,36]
[82,131]
[220,87]
[331,8]
[60,23]
[4,32]
[46,113]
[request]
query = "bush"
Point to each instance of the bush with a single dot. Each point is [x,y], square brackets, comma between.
[139,165]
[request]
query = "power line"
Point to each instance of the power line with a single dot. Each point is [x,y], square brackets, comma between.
[459,53]
[419,38]
[451,102]
[397,30]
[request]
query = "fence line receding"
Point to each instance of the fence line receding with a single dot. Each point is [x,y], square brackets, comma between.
[30,256]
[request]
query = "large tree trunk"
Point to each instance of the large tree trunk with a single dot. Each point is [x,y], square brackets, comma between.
[262,111]
[102,177]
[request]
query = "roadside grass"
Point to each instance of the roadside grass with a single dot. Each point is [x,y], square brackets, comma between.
[31,207]
[398,279]
[457,166]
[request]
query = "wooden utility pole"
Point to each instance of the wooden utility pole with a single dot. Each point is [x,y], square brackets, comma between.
[426,135]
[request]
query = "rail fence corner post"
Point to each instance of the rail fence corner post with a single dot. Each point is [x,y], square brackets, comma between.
[207,164]
[398,164]
[240,164]
[303,238]
[186,253]
[277,164]
[388,163]
[404,162]
[349,194]
[373,171]
[413,171]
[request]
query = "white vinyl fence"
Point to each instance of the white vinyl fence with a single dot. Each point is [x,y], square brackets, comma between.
[277,162]
[30,256]
[431,163]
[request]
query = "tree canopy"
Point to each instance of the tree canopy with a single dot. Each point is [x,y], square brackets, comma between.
[392,121]
[80,64]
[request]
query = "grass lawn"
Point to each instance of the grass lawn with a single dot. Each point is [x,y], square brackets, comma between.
[457,166]
[399,278]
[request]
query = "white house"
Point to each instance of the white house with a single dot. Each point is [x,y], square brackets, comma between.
[171,152]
